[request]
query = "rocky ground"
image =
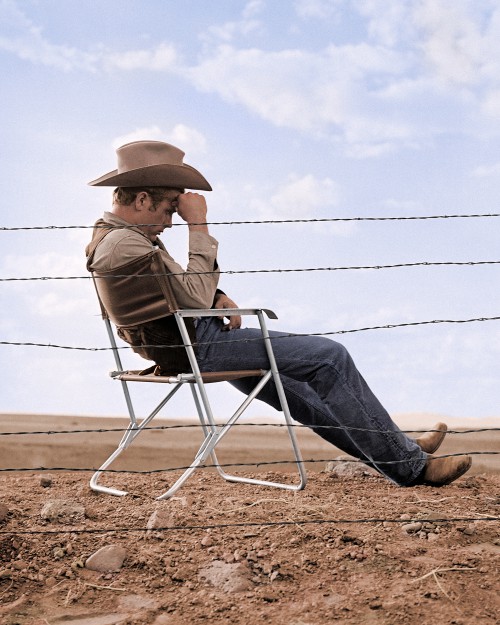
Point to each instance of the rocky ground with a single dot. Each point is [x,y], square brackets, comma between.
[350,548]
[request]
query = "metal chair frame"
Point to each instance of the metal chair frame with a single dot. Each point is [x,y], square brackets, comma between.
[213,432]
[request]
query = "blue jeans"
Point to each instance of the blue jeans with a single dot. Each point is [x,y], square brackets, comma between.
[322,387]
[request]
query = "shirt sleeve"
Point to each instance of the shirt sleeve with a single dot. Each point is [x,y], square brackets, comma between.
[195,286]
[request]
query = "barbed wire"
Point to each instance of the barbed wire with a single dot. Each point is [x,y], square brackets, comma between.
[178,426]
[248,340]
[469,263]
[263,463]
[263,221]
[169,528]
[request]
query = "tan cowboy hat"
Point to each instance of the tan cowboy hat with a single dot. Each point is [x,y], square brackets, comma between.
[152,164]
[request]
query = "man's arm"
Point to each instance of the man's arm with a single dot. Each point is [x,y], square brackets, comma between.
[192,208]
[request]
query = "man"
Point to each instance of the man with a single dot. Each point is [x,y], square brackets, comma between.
[323,388]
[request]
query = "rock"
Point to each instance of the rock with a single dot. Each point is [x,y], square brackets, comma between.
[108,559]
[63,511]
[4,511]
[207,541]
[45,481]
[227,577]
[412,528]
[346,466]
[59,553]
[160,518]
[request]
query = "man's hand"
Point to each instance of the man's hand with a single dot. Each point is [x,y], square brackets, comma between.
[192,208]
[223,301]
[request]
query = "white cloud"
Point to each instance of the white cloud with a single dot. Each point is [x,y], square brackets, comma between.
[320,9]
[51,298]
[491,104]
[452,41]
[298,198]
[148,133]
[253,7]
[312,92]
[45,264]
[27,41]
[415,52]
[188,139]
[229,31]
[159,59]
[482,171]
[387,25]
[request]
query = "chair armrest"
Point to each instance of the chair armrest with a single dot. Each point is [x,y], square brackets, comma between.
[227,312]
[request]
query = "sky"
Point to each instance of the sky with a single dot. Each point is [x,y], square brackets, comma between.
[292,109]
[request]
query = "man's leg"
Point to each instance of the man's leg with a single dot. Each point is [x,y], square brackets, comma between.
[332,393]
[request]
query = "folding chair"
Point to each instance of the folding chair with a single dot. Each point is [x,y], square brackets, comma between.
[213,432]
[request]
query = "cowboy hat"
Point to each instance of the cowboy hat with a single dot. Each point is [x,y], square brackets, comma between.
[152,164]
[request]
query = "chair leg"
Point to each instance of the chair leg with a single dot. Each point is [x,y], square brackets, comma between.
[214,434]
[132,431]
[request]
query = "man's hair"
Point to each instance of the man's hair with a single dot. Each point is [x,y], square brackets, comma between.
[126,195]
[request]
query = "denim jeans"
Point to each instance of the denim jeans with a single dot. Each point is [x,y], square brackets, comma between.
[322,387]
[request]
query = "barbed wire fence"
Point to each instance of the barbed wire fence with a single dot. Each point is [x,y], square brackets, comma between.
[427,264]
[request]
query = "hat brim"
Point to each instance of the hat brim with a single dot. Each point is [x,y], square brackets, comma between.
[177,176]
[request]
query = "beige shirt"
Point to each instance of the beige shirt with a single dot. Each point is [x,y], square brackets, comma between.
[192,287]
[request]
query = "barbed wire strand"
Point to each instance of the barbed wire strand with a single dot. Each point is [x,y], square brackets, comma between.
[263,463]
[169,528]
[281,336]
[230,272]
[274,425]
[266,221]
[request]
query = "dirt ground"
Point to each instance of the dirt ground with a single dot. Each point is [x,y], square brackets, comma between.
[350,548]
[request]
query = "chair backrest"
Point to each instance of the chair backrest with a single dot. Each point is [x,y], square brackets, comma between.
[137,292]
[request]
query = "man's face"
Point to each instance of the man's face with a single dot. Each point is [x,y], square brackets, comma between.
[159,215]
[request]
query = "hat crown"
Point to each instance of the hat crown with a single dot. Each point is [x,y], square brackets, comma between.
[139,154]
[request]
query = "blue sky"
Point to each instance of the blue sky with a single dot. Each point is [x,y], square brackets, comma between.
[292,109]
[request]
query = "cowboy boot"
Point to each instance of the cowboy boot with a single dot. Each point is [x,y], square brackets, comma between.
[431,441]
[442,471]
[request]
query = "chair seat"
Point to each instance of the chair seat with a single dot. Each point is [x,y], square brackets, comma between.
[151,375]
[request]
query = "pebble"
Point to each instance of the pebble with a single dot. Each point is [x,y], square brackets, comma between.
[207,541]
[108,559]
[347,466]
[46,481]
[159,519]
[412,528]
[230,578]
[63,511]
[19,565]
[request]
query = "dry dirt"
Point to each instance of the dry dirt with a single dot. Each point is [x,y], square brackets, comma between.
[337,551]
